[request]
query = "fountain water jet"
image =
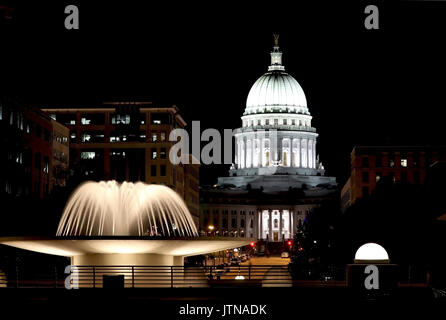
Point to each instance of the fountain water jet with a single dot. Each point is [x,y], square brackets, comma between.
[127,209]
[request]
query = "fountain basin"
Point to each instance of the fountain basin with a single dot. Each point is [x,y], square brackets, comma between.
[125,250]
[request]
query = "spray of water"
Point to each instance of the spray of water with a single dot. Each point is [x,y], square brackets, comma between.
[108,208]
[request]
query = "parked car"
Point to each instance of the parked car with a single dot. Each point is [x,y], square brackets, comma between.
[285,254]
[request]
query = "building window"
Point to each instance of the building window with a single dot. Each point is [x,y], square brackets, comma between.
[242,223]
[416,159]
[163,153]
[276,122]
[392,176]
[267,122]
[258,122]
[153,170]
[378,176]
[365,162]
[88,155]
[379,160]
[284,122]
[154,137]
[404,162]
[154,153]
[391,160]
[234,223]
[293,122]
[225,223]
[365,177]
[163,170]
[163,136]
[46,164]
[120,119]
[365,191]
[404,176]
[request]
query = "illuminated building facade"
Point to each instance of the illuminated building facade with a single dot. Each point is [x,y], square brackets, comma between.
[128,141]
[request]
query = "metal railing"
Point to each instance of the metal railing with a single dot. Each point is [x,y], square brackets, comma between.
[158,276]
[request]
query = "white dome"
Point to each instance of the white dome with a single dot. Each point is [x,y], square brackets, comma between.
[276,91]
[371,252]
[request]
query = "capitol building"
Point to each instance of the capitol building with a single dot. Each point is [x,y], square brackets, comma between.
[277,177]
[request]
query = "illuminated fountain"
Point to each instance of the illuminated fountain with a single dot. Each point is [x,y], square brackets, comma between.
[132,224]
[129,209]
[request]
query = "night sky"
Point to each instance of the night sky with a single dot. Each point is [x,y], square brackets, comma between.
[366,87]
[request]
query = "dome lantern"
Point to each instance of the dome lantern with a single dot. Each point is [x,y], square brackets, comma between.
[276,56]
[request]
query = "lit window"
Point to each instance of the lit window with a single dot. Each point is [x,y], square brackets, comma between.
[87,155]
[378,176]
[73,135]
[154,153]
[46,164]
[156,121]
[404,163]
[163,136]
[154,137]
[163,153]
[86,137]
[73,122]
[85,121]
[53,116]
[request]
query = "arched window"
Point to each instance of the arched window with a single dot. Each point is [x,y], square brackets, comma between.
[276,223]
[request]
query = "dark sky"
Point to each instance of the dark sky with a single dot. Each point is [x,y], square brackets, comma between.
[384,86]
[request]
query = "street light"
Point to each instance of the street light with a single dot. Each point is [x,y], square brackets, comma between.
[211,228]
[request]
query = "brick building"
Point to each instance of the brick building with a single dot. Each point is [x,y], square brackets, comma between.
[27,136]
[370,164]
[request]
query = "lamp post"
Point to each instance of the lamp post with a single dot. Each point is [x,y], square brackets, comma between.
[211,229]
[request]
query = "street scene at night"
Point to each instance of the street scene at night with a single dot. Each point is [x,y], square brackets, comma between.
[196,161]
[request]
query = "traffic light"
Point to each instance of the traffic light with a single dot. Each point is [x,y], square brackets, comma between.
[289,243]
[252,244]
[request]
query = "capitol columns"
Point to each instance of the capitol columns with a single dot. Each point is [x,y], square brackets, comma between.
[314,154]
[260,222]
[309,153]
[280,224]
[270,231]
